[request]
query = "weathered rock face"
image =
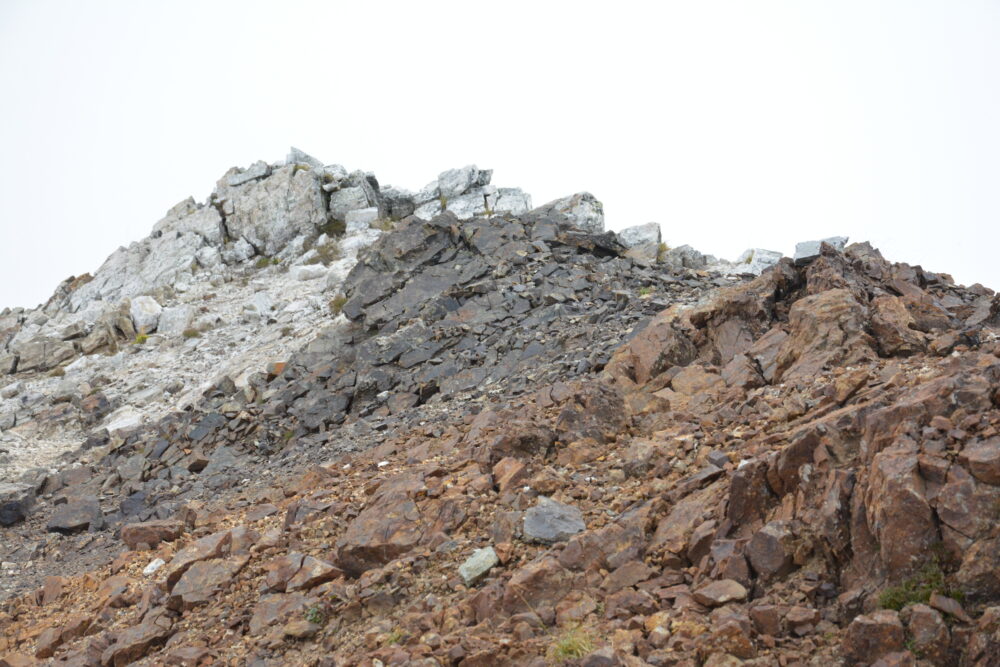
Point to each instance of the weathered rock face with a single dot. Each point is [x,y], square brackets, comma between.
[521,436]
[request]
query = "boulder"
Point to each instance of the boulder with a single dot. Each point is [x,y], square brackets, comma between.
[76,515]
[271,212]
[361,218]
[175,320]
[201,582]
[549,522]
[583,210]
[806,251]
[145,313]
[382,532]
[16,501]
[718,593]
[151,533]
[871,636]
[478,565]
[639,235]
[982,458]
[755,261]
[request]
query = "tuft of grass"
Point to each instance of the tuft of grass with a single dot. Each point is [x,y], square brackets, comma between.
[57,372]
[574,643]
[661,252]
[444,202]
[385,224]
[645,291]
[316,614]
[337,304]
[264,262]
[918,588]
[326,254]
[397,636]
[140,338]
[191,333]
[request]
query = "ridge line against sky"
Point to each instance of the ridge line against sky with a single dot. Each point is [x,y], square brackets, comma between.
[732,124]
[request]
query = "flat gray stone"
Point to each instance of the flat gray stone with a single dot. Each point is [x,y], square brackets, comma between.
[478,564]
[549,521]
[756,260]
[807,250]
[76,515]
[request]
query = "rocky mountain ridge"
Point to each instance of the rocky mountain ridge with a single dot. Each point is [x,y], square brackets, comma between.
[446,428]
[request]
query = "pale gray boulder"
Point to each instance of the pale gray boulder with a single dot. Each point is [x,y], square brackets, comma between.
[175,320]
[757,260]
[455,182]
[639,235]
[145,313]
[808,250]
[347,199]
[583,210]
[478,565]
[271,212]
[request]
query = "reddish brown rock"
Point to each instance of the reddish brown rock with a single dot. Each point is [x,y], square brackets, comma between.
[203,581]
[273,609]
[138,641]
[770,550]
[151,533]
[541,583]
[899,514]
[982,458]
[210,546]
[894,328]
[509,473]
[802,620]
[929,634]
[872,636]
[718,593]
[384,531]
[767,619]
[693,380]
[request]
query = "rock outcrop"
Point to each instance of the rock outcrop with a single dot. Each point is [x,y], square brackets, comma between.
[502,437]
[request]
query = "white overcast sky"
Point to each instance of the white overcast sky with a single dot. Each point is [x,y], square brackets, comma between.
[732,124]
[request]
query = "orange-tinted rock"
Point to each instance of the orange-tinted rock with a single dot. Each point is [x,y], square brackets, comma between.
[138,641]
[151,533]
[203,581]
[770,550]
[384,531]
[509,473]
[982,458]
[872,636]
[272,609]
[718,593]
[929,633]
[541,583]
[210,546]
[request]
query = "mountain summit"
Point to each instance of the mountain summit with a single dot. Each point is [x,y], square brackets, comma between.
[317,420]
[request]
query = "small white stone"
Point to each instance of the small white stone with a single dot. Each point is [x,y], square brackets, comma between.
[154,566]
[382,464]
